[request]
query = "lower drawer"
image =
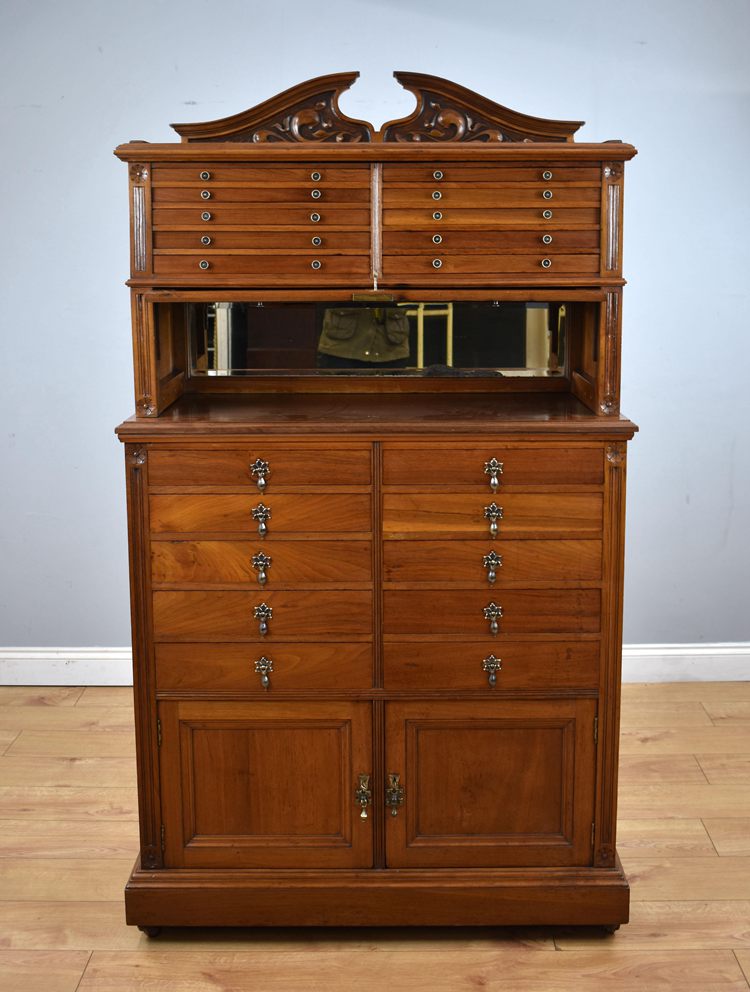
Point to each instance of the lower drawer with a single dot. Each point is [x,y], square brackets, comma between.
[232,667]
[545,665]
[298,616]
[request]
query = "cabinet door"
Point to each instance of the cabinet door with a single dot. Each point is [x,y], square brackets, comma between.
[491,784]
[267,785]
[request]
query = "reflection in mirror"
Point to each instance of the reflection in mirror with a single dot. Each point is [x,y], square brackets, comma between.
[413,339]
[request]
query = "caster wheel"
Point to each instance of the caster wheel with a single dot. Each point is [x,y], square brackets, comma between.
[150,931]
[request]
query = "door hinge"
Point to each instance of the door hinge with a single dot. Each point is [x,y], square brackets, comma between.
[593,832]
[158,733]
[596,730]
[163,841]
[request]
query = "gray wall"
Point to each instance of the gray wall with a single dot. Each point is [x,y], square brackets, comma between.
[80,77]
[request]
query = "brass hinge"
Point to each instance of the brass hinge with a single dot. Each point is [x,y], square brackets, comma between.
[158,733]
[163,841]
[593,831]
[596,730]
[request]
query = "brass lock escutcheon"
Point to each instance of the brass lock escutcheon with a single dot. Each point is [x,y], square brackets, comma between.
[493,613]
[493,468]
[363,795]
[394,793]
[493,513]
[264,666]
[259,470]
[262,514]
[261,563]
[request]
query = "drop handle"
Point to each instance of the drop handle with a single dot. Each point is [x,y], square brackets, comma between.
[493,468]
[394,793]
[264,666]
[492,666]
[493,513]
[363,795]
[259,470]
[492,562]
[263,614]
[262,514]
[261,563]
[493,613]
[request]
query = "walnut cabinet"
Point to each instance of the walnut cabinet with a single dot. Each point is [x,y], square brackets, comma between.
[375,482]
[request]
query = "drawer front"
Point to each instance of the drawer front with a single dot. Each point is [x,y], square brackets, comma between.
[288,466]
[262,563]
[307,265]
[451,195]
[303,173]
[465,242]
[419,665]
[493,174]
[331,241]
[454,465]
[445,264]
[525,611]
[210,215]
[232,667]
[409,516]
[540,218]
[257,193]
[462,563]
[296,616]
[290,513]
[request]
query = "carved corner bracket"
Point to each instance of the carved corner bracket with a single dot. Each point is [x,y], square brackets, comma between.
[616,453]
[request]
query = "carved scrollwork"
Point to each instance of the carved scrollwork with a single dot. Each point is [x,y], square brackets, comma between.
[616,453]
[137,456]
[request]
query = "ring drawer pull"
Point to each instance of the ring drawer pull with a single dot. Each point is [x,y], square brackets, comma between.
[316,176]
[264,666]
[316,194]
[205,194]
[547,214]
[547,194]
[493,613]
[363,795]
[263,614]
[315,218]
[437,263]
[205,176]
[546,175]
[493,513]
[261,563]
[437,239]
[437,215]
[437,195]
[259,470]
[437,174]
[205,240]
[205,215]
[546,239]
[546,263]
[493,468]
[492,666]
[203,264]
[492,562]
[316,264]
[316,241]
[262,514]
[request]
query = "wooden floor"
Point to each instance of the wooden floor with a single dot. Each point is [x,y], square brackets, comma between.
[68,839]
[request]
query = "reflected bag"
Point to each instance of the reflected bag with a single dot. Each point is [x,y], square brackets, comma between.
[365,334]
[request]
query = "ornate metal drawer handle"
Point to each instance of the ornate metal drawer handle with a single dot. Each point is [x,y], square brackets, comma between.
[493,468]
[492,666]
[259,470]
[492,562]
[262,514]
[263,666]
[493,513]
[363,795]
[493,613]
[394,793]
[261,563]
[263,614]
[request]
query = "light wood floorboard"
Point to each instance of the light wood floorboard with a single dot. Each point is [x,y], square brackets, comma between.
[68,837]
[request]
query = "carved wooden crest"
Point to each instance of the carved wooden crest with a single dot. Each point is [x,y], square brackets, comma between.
[445,112]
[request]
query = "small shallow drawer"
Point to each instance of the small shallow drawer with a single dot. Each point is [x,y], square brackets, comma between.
[287,466]
[525,665]
[524,611]
[307,264]
[436,175]
[262,563]
[298,616]
[417,516]
[259,193]
[454,195]
[441,218]
[291,513]
[454,465]
[210,215]
[335,241]
[446,264]
[308,173]
[470,563]
[239,667]
[465,242]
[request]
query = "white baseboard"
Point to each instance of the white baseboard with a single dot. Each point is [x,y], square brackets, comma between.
[112,666]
